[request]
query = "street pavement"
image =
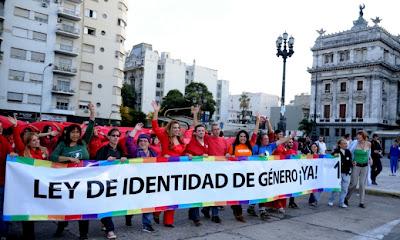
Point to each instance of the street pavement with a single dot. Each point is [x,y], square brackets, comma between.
[379,220]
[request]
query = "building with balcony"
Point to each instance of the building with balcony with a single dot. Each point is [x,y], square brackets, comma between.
[355,81]
[156,74]
[59,55]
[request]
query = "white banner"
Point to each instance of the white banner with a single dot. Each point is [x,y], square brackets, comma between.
[39,190]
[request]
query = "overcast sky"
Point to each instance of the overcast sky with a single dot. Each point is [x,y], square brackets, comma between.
[237,37]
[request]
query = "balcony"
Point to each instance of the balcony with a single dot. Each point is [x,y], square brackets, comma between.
[71,14]
[68,31]
[76,1]
[62,110]
[64,69]
[62,90]
[66,50]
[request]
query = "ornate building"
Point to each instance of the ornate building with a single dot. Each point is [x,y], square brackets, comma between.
[355,80]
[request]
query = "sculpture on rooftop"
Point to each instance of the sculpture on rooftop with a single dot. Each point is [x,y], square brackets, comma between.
[361,10]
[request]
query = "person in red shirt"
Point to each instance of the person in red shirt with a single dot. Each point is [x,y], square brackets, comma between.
[48,138]
[197,146]
[171,146]
[96,142]
[28,147]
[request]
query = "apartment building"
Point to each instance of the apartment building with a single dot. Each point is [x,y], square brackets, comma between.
[59,55]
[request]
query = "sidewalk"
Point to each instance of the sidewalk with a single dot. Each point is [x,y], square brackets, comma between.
[387,185]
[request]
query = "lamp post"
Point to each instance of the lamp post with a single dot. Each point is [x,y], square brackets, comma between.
[109,117]
[284,53]
[41,98]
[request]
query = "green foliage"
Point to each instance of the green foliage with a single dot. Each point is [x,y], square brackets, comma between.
[173,99]
[244,105]
[198,94]
[306,126]
[131,116]
[128,95]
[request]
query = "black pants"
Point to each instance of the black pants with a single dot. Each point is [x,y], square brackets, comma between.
[28,230]
[237,210]
[376,168]
[83,227]
[108,223]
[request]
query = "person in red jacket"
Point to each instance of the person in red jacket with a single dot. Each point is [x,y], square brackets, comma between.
[28,147]
[98,140]
[171,146]
[49,138]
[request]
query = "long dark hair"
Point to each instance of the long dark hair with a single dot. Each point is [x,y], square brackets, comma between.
[237,141]
[67,134]
[260,137]
[46,129]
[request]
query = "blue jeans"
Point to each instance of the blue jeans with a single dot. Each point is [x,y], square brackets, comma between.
[345,186]
[3,225]
[393,164]
[146,219]
[194,214]
[108,223]
[214,211]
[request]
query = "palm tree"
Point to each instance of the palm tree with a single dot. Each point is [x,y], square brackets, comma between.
[244,105]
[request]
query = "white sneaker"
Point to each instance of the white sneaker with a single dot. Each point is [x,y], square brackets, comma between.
[111,235]
[343,205]
[330,204]
[281,210]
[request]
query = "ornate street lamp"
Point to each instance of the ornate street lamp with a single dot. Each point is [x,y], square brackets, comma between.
[284,53]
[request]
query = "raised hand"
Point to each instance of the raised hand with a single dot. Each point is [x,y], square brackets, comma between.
[195,109]
[155,106]
[92,111]
[13,120]
[139,126]
[54,133]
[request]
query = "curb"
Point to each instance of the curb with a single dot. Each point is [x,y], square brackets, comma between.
[385,193]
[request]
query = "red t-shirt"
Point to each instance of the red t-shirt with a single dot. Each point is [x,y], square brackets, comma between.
[174,151]
[195,148]
[217,146]
[5,148]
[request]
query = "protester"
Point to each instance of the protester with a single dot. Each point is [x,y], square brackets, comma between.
[171,146]
[48,138]
[348,139]
[110,151]
[376,155]
[155,144]
[96,142]
[394,155]
[314,197]
[361,150]
[30,147]
[73,149]
[321,145]
[346,166]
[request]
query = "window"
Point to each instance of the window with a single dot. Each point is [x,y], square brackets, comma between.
[158,84]
[158,94]
[20,32]
[18,53]
[14,97]
[359,110]
[103,32]
[16,75]
[34,99]
[86,86]
[120,39]
[327,111]
[386,55]
[21,12]
[121,23]
[88,48]
[328,58]
[62,103]
[122,6]
[116,91]
[359,85]
[38,36]
[37,57]
[344,56]
[63,84]
[83,105]
[340,132]
[324,132]
[343,87]
[90,13]
[89,31]
[327,88]
[342,111]
[40,17]
[101,67]
[87,67]
[360,54]
[34,77]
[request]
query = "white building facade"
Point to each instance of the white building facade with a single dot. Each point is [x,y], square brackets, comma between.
[156,74]
[59,56]
[355,81]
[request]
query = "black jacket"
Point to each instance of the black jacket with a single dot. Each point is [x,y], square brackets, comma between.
[107,151]
[375,145]
[346,160]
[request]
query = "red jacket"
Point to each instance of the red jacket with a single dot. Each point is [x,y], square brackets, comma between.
[37,153]
[5,148]
[95,144]
[176,150]
[195,148]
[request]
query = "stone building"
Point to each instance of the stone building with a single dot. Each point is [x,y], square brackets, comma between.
[355,80]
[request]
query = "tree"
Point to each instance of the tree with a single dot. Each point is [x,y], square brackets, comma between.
[128,95]
[198,94]
[173,99]
[306,126]
[244,105]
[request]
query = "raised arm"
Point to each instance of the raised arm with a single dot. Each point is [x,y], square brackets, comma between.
[156,108]
[89,130]
[285,139]
[138,127]
[19,144]
[195,111]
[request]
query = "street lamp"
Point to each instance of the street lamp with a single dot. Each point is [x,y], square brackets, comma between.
[41,98]
[284,53]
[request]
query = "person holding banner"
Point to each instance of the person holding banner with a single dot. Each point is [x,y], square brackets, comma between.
[172,145]
[28,147]
[314,197]
[361,150]
[346,166]
[111,151]
[73,149]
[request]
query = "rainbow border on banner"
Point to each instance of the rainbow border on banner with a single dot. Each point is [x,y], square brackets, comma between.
[90,163]
[95,163]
